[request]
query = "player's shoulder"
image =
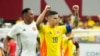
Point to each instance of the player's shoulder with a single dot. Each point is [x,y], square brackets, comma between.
[65,38]
[34,22]
[61,26]
[45,25]
[18,25]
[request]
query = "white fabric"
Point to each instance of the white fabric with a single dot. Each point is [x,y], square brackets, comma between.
[1,45]
[26,34]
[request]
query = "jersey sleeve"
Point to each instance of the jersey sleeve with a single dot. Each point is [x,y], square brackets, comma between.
[13,32]
[42,28]
[41,33]
[65,43]
[66,29]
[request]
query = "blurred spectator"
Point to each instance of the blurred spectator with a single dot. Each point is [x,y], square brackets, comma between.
[90,22]
[97,26]
[99,20]
[81,26]
[1,47]
[1,22]
[1,43]
[85,25]
[98,17]
[60,20]
[11,47]
[19,20]
[67,20]
[7,25]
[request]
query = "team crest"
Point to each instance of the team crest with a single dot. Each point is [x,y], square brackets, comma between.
[34,29]
[58,32]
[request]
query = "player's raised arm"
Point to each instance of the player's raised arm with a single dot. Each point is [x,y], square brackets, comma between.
[76,14]
[41,17]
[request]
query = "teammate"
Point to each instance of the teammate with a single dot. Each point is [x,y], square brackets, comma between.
[77,48]
[75,24]
[11,51]
[68,46]
[26,33]
[51,33]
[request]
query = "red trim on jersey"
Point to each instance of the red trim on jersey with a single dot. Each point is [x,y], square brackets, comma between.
[43,48]
[66,53]
[61,48]
[12,46]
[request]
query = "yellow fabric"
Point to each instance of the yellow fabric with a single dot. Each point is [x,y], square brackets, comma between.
[53,38]
[74,50]
[69,46]
[91,23]
[18,21]
[80,24]
[96,27]
[91,38]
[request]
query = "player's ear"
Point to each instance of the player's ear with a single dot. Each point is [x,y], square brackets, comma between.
[25,15]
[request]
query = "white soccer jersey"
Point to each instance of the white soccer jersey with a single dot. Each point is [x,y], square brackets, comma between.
[26,38]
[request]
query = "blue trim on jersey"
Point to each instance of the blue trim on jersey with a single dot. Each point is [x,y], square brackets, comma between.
[68,28]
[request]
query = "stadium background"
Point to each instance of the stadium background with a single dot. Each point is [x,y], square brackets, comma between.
[10,10]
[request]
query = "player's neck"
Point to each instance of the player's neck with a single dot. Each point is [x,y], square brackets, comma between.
[11,40]
[27,22]
[51,26]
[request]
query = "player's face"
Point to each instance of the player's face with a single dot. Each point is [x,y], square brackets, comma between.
[53,20]
[29,17]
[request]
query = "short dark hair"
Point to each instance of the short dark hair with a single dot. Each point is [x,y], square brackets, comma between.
[25,10]
[1,40]
[9,38]
[50,13]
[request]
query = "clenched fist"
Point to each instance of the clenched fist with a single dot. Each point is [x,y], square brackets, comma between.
[47,8]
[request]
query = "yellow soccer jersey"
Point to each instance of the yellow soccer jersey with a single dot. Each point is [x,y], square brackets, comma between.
[51,39]
[68,47]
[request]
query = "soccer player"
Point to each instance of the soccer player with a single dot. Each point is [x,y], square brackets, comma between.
[77,47]
[26,33]
[11,47]
[68,46]
[51,33]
